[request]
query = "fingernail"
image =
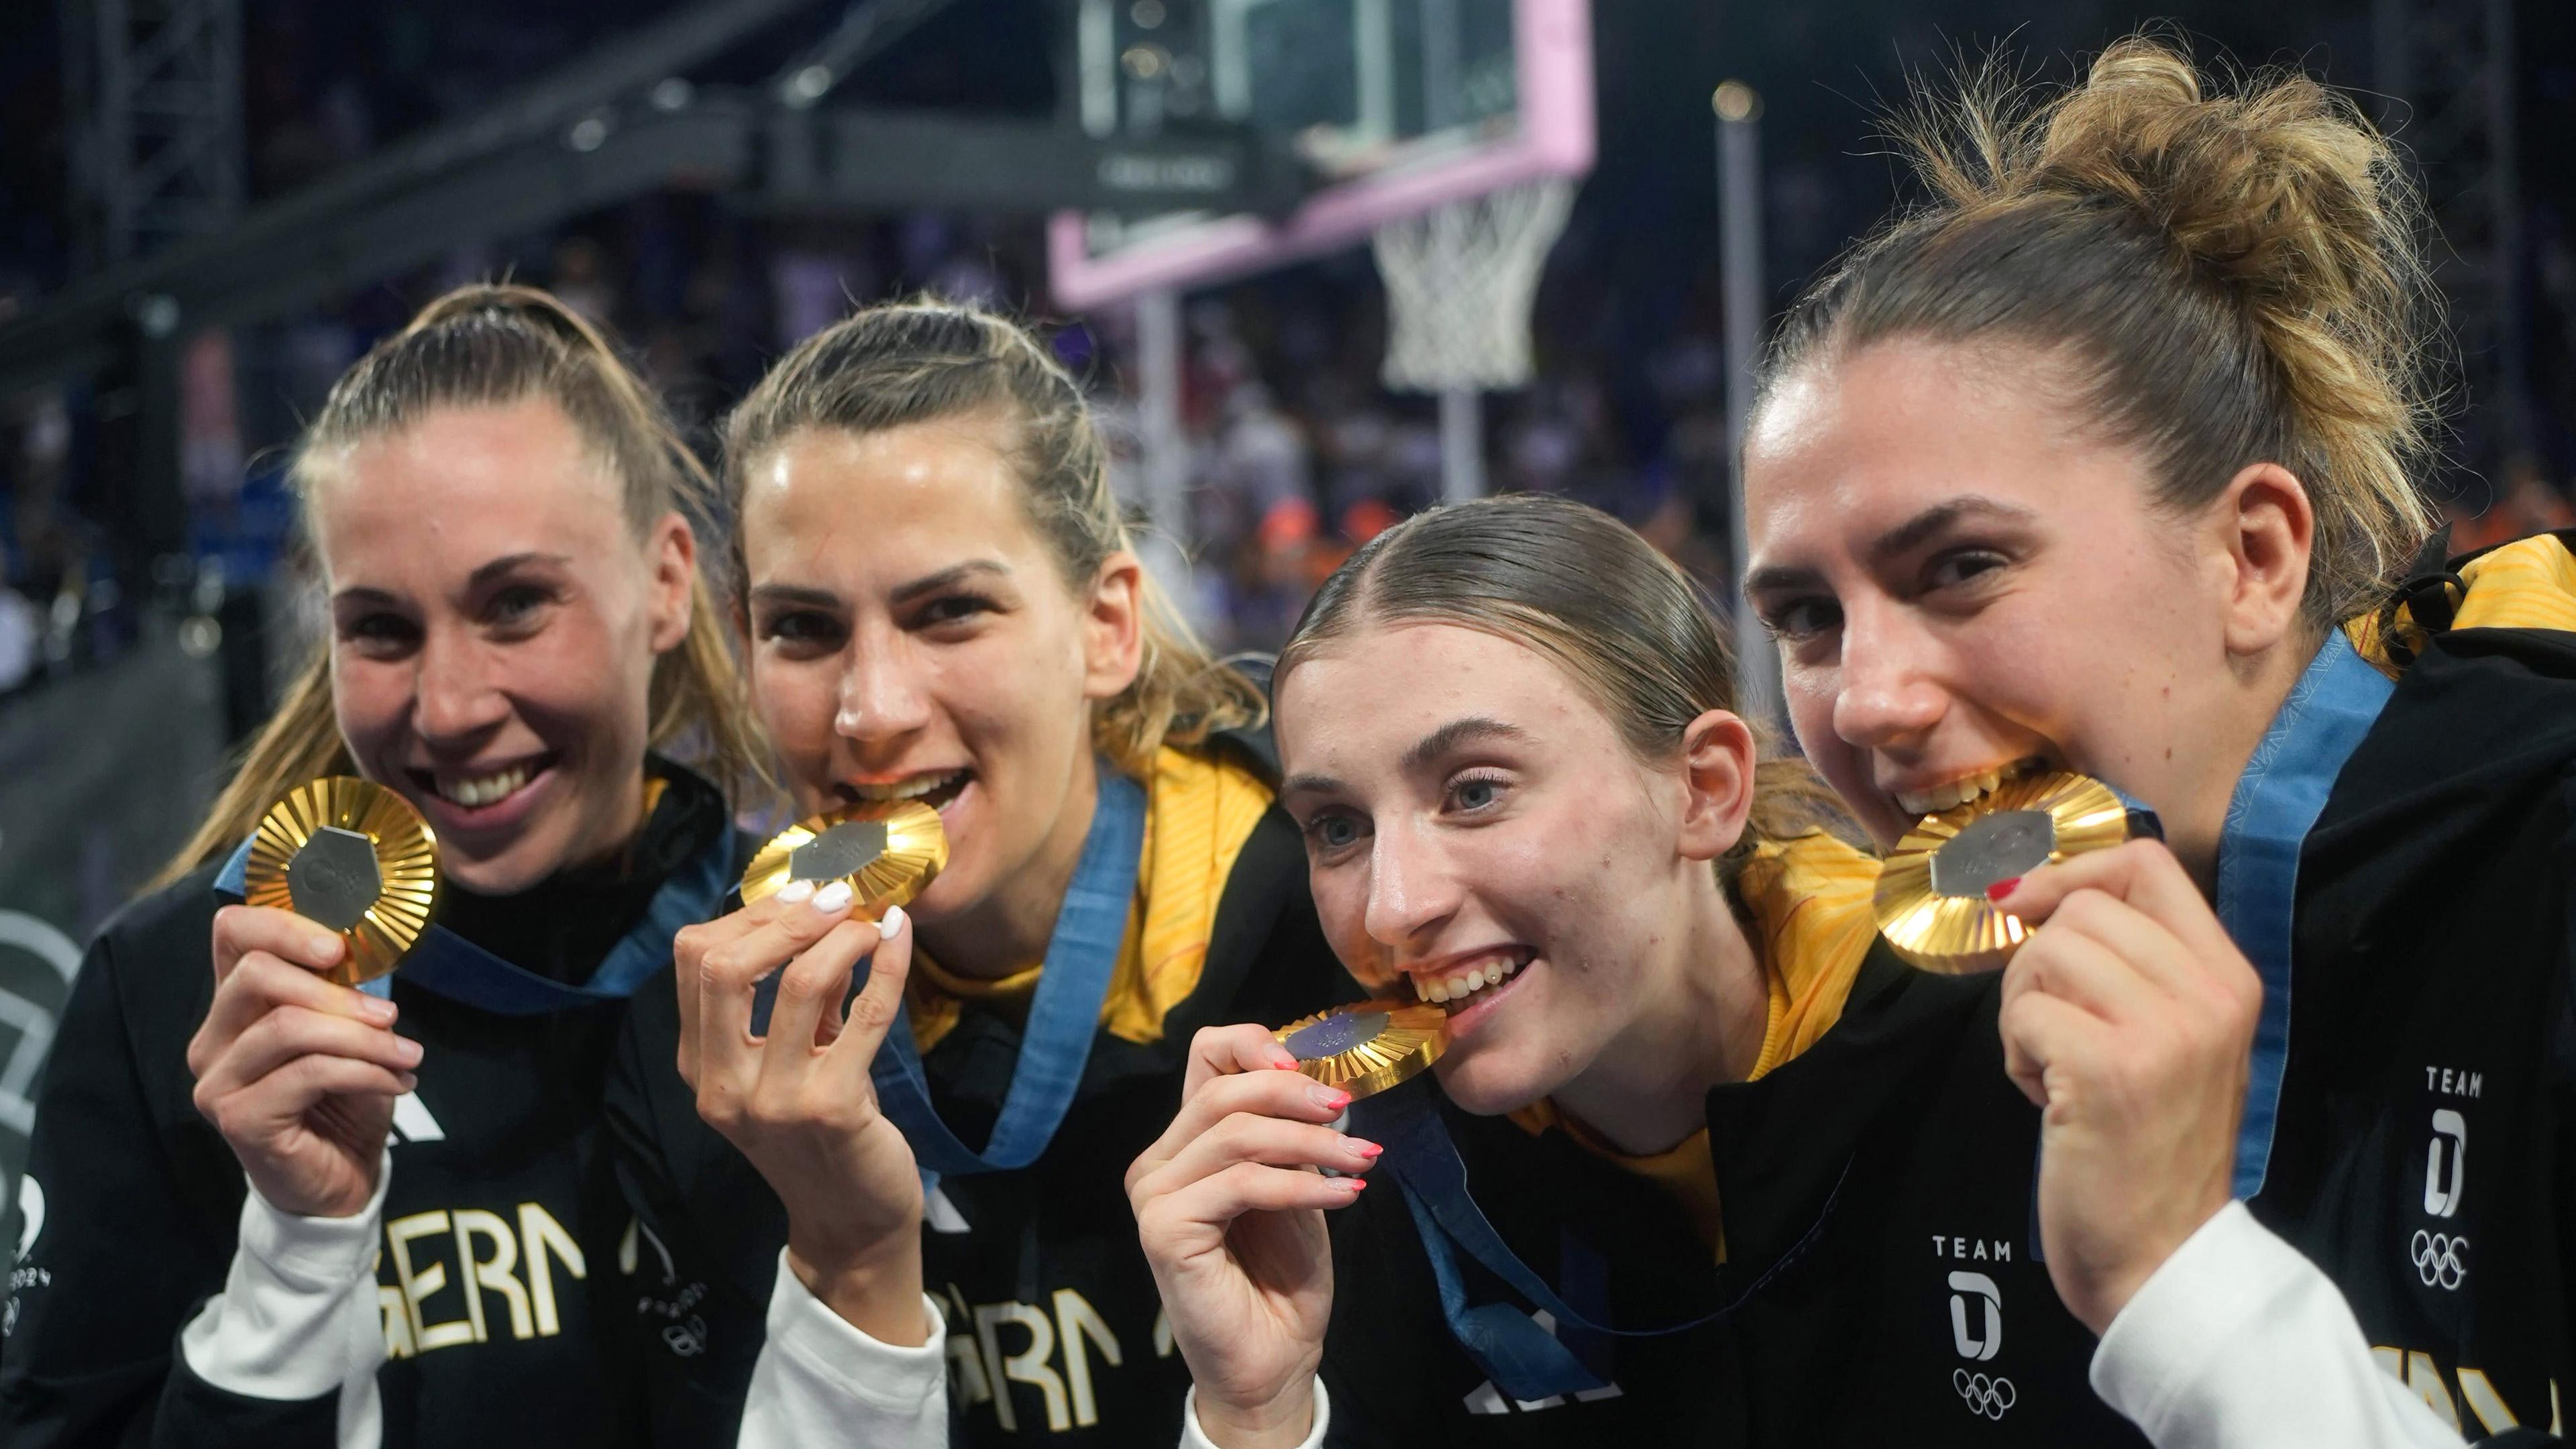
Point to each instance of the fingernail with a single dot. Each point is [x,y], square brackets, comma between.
[796,890]
[1368,1150]
[326,948]
[1332,1097]
[409,1051]
[1352,1185]
[892,925]
[409,1081]
[1282,1057]
[377,1009]
[832,897]
[2003,888]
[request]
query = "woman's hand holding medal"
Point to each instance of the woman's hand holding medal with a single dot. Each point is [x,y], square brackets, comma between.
[1229,1208]
[799,1102]
[2130,1020]
[298,1074]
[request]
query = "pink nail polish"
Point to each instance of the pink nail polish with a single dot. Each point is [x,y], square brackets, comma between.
[2003,888]
[1333,1098]
[1369,1150]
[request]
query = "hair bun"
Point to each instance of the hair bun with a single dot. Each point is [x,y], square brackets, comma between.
[2282,189]
[2235,266]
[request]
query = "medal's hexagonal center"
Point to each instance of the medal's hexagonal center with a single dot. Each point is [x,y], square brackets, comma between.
[1993,848]
[842,851]
[1335,1035]
[333,879]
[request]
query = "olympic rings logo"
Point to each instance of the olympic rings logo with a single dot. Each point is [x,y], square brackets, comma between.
[1983,1395]
[2437,1259]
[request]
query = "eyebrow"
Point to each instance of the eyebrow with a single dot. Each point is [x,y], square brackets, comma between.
[802,596]
[1896,542]
[498,568]
[1929,524]
[1422,754]
[794,596]
[1431,748]
[511,563]
[947,577]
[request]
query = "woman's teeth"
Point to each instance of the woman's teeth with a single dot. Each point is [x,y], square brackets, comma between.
[912,788]
[1458,986]
[1961,791]
[475,791]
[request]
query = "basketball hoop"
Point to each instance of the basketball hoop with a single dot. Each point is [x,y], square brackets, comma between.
[1460,282]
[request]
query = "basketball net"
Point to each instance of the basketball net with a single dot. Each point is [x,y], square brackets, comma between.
[1460,282]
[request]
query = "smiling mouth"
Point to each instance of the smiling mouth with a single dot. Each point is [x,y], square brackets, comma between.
[476,790]
[1455,989]
[935,788]
[1937,798]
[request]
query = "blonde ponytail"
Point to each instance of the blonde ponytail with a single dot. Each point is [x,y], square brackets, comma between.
[492,346]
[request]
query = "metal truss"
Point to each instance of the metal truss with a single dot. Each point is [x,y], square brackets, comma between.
[157,152]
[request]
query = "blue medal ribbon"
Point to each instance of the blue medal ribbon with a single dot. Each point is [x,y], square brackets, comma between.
[1064,1016]
[2276,804]
[448,965]
[1525,1361]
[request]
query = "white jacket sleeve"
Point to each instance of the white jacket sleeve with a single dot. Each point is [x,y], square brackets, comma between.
[2239,1341]
[299,1316]
[821,1381]
[1193,1437]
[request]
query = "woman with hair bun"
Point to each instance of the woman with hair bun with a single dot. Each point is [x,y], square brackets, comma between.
[2107,460]
[267,1208]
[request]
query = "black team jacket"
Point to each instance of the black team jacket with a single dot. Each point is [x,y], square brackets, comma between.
[2425,1153]
[1046,1255]
[142,1198]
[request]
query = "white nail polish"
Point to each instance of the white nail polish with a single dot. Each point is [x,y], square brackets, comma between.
[892,925]
[832,897]
[796,890]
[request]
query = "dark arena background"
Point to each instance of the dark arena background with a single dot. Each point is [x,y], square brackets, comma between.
[209,208]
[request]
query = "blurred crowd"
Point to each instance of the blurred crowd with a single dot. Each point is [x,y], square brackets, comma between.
[1295,453]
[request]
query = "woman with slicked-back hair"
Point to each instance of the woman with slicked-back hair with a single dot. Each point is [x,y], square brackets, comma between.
[2108,459]
[266,1208]
[1510,737]
[942,603]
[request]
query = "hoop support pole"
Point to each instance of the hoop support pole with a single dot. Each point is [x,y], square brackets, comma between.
[1462,444]
[1739,220]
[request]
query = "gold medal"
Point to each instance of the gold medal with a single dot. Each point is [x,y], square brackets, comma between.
[889,852]
[1367,1048]
[1932,904]
[354,856]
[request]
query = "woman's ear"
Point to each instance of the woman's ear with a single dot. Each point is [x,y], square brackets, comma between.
[1113,627]
[1718,755]
[673,555]
[2265,530]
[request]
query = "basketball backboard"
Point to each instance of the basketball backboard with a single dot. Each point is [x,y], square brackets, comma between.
[1395,106]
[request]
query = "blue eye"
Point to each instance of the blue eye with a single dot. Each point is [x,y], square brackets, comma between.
[1332,831]
[517,604]
[1477,792]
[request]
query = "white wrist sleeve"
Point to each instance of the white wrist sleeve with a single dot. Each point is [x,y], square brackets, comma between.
[299,1317]
[821,1381]
[2239,1341]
